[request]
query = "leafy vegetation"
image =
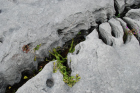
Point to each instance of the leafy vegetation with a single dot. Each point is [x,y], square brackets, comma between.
[25,77]
[59,64]
[37,47]
[35,58]
[60,54]
[79,33]
[118,15]
[72,48]
[40,68]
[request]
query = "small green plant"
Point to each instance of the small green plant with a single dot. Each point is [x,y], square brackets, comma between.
[9,87]
[40,69]
[72,48]
[118,15]
[47,59]
[54,68]
[35,58]
[25,77]
[37,47]
[79,33]
[34,72]
[14,91]
[70,80]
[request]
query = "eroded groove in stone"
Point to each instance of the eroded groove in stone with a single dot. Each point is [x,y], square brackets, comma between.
[101,37]
[133,28]
[1,40]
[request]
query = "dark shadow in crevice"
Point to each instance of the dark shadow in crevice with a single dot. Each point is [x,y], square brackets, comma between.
[116,9]
[125,37]
[0,11]
[112,33]
[126,9]
[100,36]
[135,6]
[98,22]
[60,31]
[1,40]
[77,52]
[26,75]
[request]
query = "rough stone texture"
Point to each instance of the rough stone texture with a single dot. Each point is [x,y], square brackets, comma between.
[47,22]
[133,20]
[122,4]
[102,68]
[133,14]
[40,85]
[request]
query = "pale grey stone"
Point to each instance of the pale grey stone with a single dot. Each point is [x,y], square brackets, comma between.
[122,4]
[102,68]
[47,22]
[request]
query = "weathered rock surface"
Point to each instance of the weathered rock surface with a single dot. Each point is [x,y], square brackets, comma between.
[47,22]
[103,68]
[122,4]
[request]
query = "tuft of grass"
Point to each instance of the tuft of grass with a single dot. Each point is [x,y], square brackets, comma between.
[54,68]
[40,69]
[36,48]
[72,48]
[35,58]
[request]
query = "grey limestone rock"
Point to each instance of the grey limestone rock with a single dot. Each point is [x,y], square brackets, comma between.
[102,68]
[47,22]
[122,4]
